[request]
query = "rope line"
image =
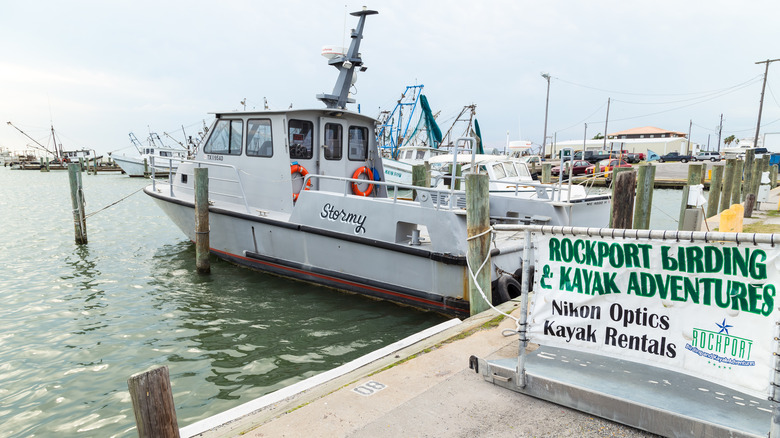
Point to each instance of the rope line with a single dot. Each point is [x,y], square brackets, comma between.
[112,204]
[473,276]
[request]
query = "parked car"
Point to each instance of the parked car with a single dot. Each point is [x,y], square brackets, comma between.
[707,155]
[578,168]
[606,166]
[675,156]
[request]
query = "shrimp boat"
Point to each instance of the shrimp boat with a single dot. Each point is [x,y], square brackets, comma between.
[294,193]
[165,159]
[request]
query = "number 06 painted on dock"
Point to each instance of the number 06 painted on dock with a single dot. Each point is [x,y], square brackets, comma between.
[369,388]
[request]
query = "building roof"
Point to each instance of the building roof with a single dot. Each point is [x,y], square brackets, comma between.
[645,131]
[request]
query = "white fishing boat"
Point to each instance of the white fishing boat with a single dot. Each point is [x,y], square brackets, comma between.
[293,193]
[516,196]
[154,158]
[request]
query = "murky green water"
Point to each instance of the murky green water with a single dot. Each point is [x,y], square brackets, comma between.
[77,321]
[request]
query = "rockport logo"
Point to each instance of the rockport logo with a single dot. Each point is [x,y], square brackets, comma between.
[722,349]
[331,213]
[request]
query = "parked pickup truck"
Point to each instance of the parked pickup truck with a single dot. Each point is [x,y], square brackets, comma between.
[592,156]
[675,156]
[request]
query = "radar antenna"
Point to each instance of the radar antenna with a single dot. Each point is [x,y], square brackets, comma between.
[346,66]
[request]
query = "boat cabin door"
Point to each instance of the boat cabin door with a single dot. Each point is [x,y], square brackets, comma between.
[330,153]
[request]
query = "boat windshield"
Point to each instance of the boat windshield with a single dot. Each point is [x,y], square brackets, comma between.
[510,169]
[498,170]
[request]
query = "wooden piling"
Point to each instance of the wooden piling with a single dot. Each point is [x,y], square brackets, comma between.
[456,177]
[146,168]
[750,203]
[747,175]
[419,178]
[728,183]
[623,189]
[77,203]
[478,226]
[202,263]
[547,173]
[715,187]
[153,406]
[736,187]
[644,196]
[694,178]
[773,176]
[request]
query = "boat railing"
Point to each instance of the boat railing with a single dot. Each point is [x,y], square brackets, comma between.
[426,196]
[172,182]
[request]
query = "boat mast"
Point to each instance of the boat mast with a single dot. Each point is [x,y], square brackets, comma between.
[346,66]
[36,141]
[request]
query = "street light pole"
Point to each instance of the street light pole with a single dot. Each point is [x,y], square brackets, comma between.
[546,106]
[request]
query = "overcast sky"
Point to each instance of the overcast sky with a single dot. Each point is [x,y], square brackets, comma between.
[98,70]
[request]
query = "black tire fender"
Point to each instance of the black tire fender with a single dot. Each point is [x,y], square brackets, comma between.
[507,288]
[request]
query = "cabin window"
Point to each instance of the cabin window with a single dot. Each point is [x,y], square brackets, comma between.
[358,143]
[522,170]
[510,170]
[300,133]
[409,155]
[498,170]
[333,141]
[225,138]
[259,142]
[420,155]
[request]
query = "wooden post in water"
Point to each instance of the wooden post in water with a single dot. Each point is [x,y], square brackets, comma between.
[750,157]
[146,168]
[458,173]
[644,196]
[694,178]
[715,186]
[736,188]
[623,189]
[77,203]
[478,226]
[547,173]
[728,184]
[202,263]
[155,412]
[418,178]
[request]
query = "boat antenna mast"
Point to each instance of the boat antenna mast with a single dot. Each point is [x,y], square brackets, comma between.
[346,66]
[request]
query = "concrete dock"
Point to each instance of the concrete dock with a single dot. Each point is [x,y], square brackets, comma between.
[424,390]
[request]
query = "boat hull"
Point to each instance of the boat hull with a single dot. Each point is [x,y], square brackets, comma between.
[135,167]
[400,273]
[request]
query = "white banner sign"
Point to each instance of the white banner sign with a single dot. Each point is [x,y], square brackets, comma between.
[704,309]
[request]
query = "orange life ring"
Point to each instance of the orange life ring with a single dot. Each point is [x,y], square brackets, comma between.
[297,168]
[355,189]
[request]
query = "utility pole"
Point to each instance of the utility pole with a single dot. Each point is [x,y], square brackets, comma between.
[605,124]
[761,105]
[546,106]
[688,147]
[720,130]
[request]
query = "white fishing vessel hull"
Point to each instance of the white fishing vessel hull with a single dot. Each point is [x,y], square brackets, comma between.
[320,250]
[142,165]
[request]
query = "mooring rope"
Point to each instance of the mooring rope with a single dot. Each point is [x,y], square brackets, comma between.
[473,276]
[112,204]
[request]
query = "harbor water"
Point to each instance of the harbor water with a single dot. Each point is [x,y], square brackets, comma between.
[78,320]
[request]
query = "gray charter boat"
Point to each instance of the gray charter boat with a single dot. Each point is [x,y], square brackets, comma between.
[294,193]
